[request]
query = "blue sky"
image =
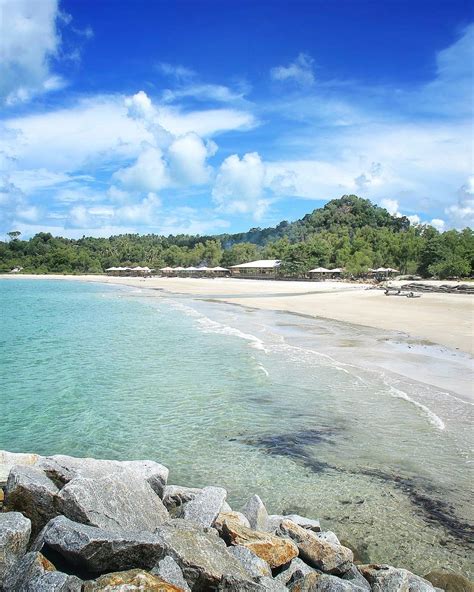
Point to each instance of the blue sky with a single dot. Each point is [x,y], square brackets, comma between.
[207,117]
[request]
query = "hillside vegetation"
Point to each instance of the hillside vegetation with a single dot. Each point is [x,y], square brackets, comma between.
[349,232]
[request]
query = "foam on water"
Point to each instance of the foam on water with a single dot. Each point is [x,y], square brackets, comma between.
[434,420]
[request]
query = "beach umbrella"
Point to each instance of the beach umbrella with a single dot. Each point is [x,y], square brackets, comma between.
[320,270]
[217,268]
[203,268]
[166,269]
[191,268]
[179,268]
[336,270]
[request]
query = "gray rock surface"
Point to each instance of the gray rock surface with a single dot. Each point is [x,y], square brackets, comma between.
[256,513]
[114,501]
[169,571]
[202,556]
[237,517]
[329,537]
[205,507]
[177,495]
[32,493]
[296,570]
[133,580]
[54,581]
[252,563]
[29,568]
[10,459]
[274,521]
[98,550]
[62,469]
[385,578]
[317,552]
[354,576]
[318,582]
[15,532]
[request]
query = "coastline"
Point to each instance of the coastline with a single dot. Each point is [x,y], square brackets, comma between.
[444,319]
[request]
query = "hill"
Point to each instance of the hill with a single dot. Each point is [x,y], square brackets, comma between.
[349,232]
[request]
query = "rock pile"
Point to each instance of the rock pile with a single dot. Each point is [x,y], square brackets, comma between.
[441,288]
[86,525]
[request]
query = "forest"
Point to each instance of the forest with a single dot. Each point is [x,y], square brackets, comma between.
[349,232]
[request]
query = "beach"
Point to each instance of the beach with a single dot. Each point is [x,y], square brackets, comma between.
[444,319]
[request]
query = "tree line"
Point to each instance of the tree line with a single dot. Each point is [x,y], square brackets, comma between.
[349,232]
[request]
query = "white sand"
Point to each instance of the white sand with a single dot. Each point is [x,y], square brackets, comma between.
[445,319]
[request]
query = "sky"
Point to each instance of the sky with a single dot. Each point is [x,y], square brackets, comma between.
[204,117]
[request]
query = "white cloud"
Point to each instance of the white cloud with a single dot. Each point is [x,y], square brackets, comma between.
[461,214]
[187,159]
[14,205]
[300,71]
[203,92]
[28,41]
[414,219]
[176,70]
[438,224]
[148,173]
[391,205]
[239,186]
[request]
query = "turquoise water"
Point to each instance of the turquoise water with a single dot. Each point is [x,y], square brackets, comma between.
[242,399]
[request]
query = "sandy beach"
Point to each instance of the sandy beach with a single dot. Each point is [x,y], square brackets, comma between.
[444,319]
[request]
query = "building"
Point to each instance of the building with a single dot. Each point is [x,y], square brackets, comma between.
[261,269]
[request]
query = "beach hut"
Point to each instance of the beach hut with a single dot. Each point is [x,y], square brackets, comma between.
[319,273]
[261,269]
[167,270]
[219,271]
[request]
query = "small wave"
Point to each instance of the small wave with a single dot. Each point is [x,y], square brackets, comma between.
[434,420]
[209,326]
[263,369]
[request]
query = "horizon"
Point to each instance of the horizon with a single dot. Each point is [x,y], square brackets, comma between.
[196,118]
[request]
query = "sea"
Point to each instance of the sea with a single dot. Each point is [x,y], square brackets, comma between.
[295,409]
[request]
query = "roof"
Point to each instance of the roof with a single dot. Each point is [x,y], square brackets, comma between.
[320,270]
[267,263]
[218,268]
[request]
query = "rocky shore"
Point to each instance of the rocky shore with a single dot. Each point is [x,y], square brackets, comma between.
[79,524]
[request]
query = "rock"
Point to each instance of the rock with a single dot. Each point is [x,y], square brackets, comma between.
[385,578]
[61,469]
[177,495]
[169,571]
[274,521]
[54,581]
[272,585]
[253,564]
[97,550]
[256,513]
[354,576]
[264,584]
[29,568]
[329,537]
[225,507]
[274,550]
[230,516]
[317,552]
[130,581]
[202,556]
[449,581]
[15,532]
[114,501]
[9,459]
[32,493]
[318,582]
[296,570]
[205,507]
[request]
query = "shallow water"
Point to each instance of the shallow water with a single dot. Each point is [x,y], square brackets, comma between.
[268,403]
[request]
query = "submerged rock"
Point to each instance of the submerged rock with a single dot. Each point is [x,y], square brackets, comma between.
[31,492]
[316,551]
[15,532]
[385,578]
[449,581]
[62,469]
[97,550]
[256,513]
[114,501]
[168,570]
[203,509]
[130,581]
[274,550]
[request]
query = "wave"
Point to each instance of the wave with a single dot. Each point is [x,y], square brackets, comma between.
[436,421]
[263,369]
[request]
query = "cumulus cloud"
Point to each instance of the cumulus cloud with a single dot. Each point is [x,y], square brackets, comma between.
[187,159]
[461,214]
[28,42]
[148,173]
[391,205]
[299,71]
[437,223]
[239,186]
[14,205]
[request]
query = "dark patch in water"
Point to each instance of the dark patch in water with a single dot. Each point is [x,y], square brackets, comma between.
[433,510]
[293,445]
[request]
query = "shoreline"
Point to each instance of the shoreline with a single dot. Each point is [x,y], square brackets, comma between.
[443,319]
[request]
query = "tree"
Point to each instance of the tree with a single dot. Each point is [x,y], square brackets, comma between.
[451,266]
[14,234]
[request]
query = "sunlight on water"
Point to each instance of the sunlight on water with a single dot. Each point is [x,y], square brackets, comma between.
[240,399]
